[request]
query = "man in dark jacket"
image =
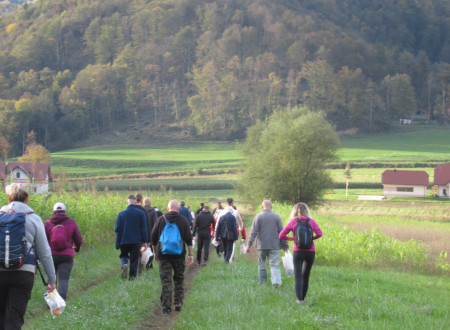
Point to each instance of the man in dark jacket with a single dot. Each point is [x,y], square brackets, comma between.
[172,262]
[227,232]
[184,211]
[131,232]
[202,228]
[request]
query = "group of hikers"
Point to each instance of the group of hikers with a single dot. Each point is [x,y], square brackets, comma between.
[168,236]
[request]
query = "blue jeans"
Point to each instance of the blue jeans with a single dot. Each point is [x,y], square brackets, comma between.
[274,264]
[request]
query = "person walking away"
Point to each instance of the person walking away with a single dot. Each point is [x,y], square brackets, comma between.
[191,213]
[172,263]
[152,216]
[227,233]
[65,240]
[266,227]
[131,233]
[202,233]
[16,284]
[139,201]
[303,258]
[200,209]
[184,211]
[216,214]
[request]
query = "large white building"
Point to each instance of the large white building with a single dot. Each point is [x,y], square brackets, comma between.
[442,180]
[34,177]
[397,183]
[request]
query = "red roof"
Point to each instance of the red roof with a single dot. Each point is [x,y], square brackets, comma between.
[413,178]
[37,171]
[442,174]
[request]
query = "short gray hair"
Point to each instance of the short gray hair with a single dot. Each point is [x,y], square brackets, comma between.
[267,204]
[173,205]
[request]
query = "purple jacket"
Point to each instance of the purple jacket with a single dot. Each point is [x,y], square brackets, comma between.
[73,234]
[291,227]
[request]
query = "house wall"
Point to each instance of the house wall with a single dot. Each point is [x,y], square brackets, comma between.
[37,187]
[441,191]
[392,191]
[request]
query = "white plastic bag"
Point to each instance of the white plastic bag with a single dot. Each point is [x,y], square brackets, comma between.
[146,255]
[55,302]
[214,242]
[243,249]
[288,263]
[193,243]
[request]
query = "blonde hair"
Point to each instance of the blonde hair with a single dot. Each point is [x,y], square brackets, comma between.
[16,193]
[300,210]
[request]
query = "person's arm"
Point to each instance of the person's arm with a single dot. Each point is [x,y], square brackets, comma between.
[253,232]
[44,252]
[144,228]
[283,243]
[316,229]
[77,239]
[286,230]
[187,236]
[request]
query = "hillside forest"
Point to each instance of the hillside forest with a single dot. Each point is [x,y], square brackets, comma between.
[74,69]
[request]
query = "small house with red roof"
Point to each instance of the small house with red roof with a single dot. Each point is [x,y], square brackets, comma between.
[402,183]
[34,177]
[442,180]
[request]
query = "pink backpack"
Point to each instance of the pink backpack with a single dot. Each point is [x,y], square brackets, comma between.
[58,240]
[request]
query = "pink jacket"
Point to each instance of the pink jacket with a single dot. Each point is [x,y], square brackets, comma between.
[291,227]
[73,234]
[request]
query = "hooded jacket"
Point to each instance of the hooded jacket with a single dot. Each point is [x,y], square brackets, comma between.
[35,235]
[183,227]
[73,235]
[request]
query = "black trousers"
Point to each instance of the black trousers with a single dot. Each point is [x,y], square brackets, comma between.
[131,251]
[303,262]
[203,241]
[63,267]
[227,248]
[15,291]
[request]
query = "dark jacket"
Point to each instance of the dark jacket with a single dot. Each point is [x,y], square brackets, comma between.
[147,220]
[227,222]
[152,217]
[202,224]
[184,211]
[131,227]
[183,227]
[73,235]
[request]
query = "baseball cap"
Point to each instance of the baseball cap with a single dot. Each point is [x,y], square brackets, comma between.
[59,207]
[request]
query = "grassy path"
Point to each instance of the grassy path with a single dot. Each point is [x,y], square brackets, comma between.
[224,296]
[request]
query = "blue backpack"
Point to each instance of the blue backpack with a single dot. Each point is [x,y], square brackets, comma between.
[171,242]
[13,245]
[303,236]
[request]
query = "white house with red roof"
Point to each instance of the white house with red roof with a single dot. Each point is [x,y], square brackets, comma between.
[442,180]
[34,177]
[402,183]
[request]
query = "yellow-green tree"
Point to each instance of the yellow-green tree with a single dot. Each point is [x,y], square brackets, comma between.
[35,153]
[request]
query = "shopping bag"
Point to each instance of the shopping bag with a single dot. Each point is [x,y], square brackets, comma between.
[288,263]
[55,302]
[214,242]
[243,249]
[146,255]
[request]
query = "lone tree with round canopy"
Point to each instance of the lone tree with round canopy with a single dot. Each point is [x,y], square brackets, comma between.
[286,156]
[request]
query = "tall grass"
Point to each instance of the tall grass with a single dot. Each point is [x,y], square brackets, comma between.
[342,246]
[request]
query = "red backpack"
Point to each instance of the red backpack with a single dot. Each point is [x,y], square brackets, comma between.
[58,240]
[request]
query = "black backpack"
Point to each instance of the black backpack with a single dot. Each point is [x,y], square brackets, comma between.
[303,236]
[13,245]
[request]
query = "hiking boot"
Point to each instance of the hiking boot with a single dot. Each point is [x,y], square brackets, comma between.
[165,313]
[276,286]
[124,271]
[178,307]
[205,263]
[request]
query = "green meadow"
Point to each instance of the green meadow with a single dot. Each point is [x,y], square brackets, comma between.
[420,148]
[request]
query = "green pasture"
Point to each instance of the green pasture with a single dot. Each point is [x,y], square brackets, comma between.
[412,147]
[423,144]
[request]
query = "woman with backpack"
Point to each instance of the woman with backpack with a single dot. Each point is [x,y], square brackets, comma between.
[65,240]
[303,228]
[16,282]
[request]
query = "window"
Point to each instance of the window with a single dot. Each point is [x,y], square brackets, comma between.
[405,189]
[18,175]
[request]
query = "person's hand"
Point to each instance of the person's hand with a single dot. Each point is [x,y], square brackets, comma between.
[243,240]
[51,287]
[190,260]
[248,249]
